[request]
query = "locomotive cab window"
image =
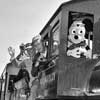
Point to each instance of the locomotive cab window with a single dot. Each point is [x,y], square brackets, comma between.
[11,83]
[55,38]
[80,35]
[45,43]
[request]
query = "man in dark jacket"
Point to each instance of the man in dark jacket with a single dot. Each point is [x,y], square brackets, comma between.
[40,57]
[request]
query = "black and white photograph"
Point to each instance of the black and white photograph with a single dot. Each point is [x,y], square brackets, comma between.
[49,49]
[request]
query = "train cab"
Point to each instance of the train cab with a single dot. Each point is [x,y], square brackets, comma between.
[72,35]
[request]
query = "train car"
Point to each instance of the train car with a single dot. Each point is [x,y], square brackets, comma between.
[72,35]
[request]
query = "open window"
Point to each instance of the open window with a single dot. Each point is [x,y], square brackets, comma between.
[80,35]
[55,38]
[45,41]
[11,83]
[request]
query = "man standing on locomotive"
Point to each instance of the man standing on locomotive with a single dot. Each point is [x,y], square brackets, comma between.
[38,60]
[40,55]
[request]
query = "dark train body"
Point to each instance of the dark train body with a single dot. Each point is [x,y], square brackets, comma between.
[74,73]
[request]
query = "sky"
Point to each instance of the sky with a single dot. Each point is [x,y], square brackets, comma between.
[20,20]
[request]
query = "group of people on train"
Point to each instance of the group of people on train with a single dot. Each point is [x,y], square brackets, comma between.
[39,59]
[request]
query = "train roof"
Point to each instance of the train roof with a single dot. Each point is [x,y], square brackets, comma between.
[59,9]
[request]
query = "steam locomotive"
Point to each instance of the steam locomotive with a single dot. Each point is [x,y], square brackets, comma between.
[72,33]
[72,40]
